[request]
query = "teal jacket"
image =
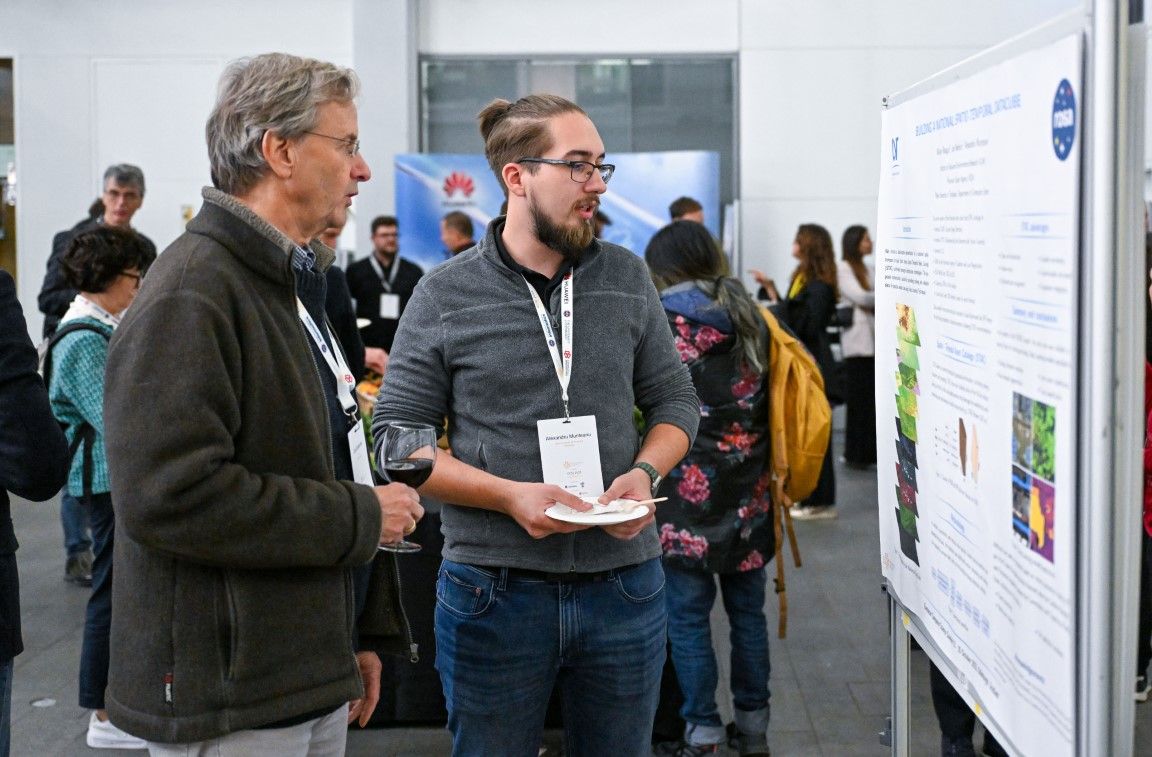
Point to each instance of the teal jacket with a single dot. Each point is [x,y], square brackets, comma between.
[77,396]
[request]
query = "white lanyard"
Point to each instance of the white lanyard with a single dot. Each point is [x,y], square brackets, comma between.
[562,358]
[335,361]
[386,282]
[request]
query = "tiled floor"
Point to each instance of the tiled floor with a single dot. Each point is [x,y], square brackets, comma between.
[829,677]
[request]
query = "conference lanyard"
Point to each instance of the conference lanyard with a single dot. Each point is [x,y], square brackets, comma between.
[388,282]
[335,362]
[562,358]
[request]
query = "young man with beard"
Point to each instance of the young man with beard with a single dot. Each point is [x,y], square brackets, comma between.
[541,331]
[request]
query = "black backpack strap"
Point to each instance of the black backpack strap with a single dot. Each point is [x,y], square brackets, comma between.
[68,328]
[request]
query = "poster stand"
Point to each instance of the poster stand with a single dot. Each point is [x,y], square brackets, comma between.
[1108,409]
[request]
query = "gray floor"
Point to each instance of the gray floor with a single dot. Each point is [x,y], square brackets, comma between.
[829,677]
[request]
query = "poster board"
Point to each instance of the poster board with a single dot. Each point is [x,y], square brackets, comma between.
[977,329]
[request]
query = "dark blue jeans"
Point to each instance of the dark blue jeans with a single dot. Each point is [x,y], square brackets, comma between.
[502,641]
[98,620]
[74,519]
[690,596]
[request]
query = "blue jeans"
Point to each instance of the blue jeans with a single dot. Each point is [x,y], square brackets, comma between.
[5,707]
[98,618]
[503,640]
[74,518]
[690,596]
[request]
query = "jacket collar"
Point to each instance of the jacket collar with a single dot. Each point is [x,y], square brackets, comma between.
[260,245]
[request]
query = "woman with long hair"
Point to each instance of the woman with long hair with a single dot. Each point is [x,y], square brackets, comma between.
[718,517]
[105,265]
[858,345]
[809,309]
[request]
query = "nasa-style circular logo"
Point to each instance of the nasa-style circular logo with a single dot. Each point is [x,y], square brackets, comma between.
[1063,120]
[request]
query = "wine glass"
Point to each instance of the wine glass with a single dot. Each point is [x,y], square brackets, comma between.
[407,454]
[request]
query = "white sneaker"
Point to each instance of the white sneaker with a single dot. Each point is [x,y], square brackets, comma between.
[103,735]
[813,512]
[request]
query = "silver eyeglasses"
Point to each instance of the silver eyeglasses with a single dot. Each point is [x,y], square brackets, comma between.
[352,145]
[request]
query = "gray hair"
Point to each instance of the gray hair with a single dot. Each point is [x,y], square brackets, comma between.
[126,174]
[270,92]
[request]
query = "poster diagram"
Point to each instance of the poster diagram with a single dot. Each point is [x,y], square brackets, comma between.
[976,351]
[907,392]
[1034,473]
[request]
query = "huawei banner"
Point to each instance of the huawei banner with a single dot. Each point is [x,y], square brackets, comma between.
[636,203]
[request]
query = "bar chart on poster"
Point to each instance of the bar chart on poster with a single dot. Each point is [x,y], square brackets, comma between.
[976,341]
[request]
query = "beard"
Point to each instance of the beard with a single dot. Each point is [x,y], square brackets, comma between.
[569,241]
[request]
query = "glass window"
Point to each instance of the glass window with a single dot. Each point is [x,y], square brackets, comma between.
[639,105]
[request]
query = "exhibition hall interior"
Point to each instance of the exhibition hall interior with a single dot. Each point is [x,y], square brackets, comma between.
[960,187]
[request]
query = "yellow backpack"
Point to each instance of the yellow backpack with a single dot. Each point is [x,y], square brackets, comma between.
[800,424]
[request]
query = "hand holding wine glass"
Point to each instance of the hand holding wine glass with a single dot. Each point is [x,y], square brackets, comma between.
[407,454]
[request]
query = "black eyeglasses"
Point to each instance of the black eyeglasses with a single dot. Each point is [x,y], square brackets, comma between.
[581,169]
[135,276]
[352,145]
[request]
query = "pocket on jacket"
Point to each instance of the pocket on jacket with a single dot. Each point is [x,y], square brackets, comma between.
[641,584]
[463,590]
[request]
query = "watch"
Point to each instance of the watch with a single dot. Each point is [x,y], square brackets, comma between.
[651,471]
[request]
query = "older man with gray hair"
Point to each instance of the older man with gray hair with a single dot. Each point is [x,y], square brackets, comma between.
[248,610]
[122,196]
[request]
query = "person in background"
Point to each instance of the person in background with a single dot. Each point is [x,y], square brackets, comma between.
[33,465]
[808,309]
[717,522]
[122,196]
[456,232]
[858,347]
[339,307]
[104,265]
[381,284]
[686,209]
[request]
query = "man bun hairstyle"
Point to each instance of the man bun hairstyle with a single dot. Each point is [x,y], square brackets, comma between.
[270,92]
[519,129]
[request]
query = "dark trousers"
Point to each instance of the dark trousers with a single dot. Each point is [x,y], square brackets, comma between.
[825,492]
[98,619]
[860,403]
[957,721]
[1143,649]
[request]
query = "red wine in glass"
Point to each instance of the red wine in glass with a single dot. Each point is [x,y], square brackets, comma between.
[407,454]
[413,471]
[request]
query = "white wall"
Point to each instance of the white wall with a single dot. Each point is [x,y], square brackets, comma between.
[127,81]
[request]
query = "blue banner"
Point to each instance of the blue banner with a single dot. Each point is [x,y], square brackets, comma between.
[636,203]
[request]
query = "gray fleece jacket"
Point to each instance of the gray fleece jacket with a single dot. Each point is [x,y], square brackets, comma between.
[470,349]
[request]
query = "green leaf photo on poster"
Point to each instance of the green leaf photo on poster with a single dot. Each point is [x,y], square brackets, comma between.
[1044,441]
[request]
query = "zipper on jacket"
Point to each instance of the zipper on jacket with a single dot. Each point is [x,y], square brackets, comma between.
[413,648]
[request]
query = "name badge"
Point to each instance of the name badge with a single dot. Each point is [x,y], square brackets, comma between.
[390,306]
[570,454]
[358,447]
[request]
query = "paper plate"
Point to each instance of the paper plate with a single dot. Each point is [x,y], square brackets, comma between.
[590,518]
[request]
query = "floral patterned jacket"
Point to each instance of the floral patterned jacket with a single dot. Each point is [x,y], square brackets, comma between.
[718,514]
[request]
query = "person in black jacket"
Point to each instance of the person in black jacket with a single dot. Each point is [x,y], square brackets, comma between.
[122,196]
[381,284]
[340,309]
[808,308]
[33,465]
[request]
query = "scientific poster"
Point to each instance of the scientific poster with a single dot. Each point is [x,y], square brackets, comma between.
[976,321]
